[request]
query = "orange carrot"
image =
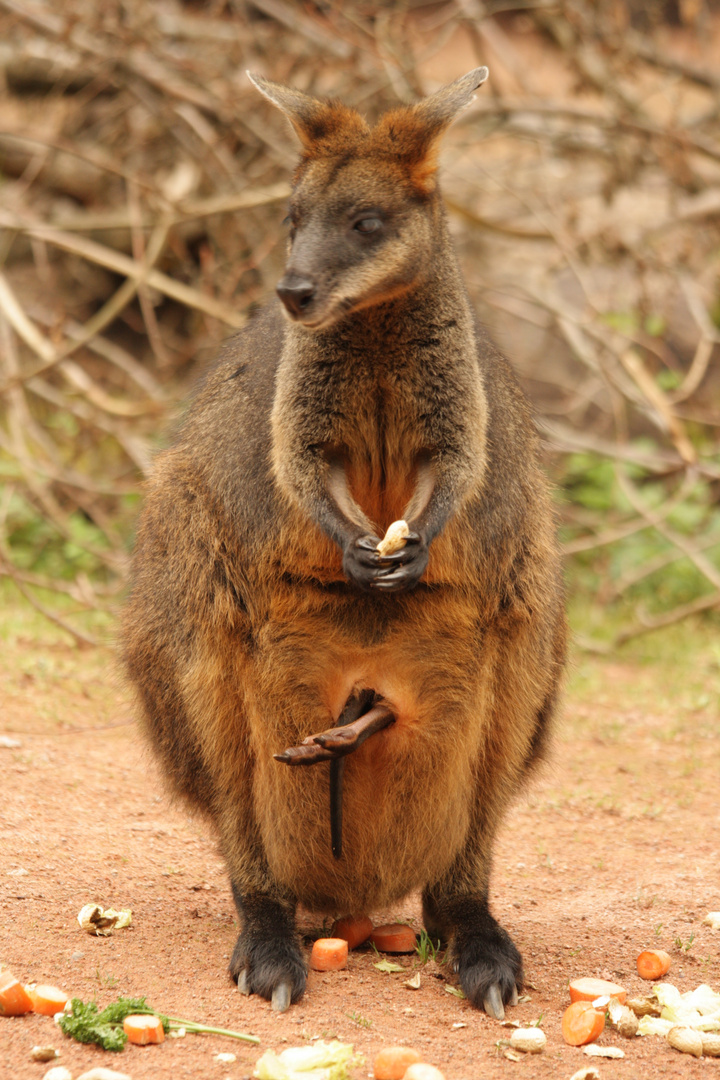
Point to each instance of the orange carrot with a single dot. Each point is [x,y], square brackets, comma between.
[581,1024]
[653,964]
[589,989]
[394,938]
[393,1062]
[14,998]
[48,1000]
[354,931]
[143,1029]
[329,954]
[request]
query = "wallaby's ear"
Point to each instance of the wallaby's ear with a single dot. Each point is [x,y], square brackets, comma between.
[315,120]
[416,131]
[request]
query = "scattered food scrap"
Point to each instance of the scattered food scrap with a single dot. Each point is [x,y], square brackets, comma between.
[593,1050]
[144,1029]
[14,998]
[392,1062]
[622,1018]
[321,1061]
[58,1072]
[582,1024]
[44,1053]
[421,1071]
[588,1072]
[355,931]
[712,919]
[414,983]
[653,964]
[528,1040]
[101,922]
[393,938]
[588,989]
[329,954]
[48,1000]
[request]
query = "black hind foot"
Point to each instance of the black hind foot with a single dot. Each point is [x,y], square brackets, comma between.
[266,959]
[484,955]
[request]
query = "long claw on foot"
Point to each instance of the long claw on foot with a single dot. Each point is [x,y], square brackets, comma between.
[281,997]
[492,1003]
[243,982]
[514,996]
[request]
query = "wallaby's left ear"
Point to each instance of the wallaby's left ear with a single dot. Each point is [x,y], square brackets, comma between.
[438,111]
[415,131]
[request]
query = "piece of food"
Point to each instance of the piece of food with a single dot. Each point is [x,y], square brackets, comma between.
[643,1007]
[528,1040]
[96,920]
[329,954]
[14,998]
[48,1000]
[588,989]
[58,1072]
[622,1018]
[421,1071]
[44,1053]
[653,964]
[593,1050]
[142,1029]
[712,919]
[394,538]
[392,1062]
[686,1040]
[711,1044]
[321,1061]
[394,938]
[354,931]
[581,1024]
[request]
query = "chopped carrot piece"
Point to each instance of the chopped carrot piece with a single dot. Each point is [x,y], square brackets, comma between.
[581,1024]
[393,1062]
[14,998]
[143,1029]
[421,1071]
[653,964]
[48,1000]
[354,931]
[394,938]
[589,989]
[329,954]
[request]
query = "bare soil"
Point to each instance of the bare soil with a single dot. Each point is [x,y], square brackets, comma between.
[614,849]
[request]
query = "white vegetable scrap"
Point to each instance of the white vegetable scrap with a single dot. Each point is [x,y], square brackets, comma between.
[58,1072]
[394,538]
[414,983]
[593,1050]
[712,919]
[321,1061]
[588,1072]
[226,1059]
[99,1072]
[528,1040]
[699,1009]
[622,1018]
[102,921]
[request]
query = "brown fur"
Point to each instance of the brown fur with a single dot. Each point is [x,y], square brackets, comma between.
[243,634]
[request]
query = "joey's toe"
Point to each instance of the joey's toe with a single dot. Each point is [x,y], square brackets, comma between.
[243,982]
[514,996]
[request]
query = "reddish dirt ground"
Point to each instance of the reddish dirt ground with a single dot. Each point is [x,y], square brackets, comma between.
[614,849]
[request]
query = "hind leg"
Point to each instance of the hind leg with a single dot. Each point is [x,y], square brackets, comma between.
[266,959]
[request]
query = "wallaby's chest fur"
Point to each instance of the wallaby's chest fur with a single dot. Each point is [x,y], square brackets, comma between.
[262,610]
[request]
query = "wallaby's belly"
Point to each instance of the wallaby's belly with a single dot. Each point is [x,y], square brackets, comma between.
[408,790]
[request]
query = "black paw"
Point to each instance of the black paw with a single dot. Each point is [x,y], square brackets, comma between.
[490,967]
[272,967]
[387,573]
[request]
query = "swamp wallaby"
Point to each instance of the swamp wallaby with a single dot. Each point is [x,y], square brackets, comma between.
[262,613]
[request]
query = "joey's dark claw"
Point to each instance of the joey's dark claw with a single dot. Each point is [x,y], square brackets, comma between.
[514,996]
[243,983]
[493,1004]
[281,997]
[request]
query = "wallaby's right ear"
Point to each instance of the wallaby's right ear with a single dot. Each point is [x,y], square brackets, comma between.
[315,120]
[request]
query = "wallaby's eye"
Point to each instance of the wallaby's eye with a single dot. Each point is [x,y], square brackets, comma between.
[367,225]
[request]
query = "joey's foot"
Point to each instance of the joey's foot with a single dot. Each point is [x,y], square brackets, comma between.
[272,967]
[490,968]
[395,572]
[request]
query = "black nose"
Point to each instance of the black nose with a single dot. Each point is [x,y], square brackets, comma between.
[296,293]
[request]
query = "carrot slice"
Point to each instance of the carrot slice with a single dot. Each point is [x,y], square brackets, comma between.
[392,1062]
[329,954]
[48,1000]
[143,1030]
[588,989]
[653,964]
[354,931]
[14,998]
[581,1023]
[394,938]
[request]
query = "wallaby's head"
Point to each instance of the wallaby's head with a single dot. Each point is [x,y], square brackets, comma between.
[365,207]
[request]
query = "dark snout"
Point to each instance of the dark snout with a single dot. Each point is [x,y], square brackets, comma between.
[296,292]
